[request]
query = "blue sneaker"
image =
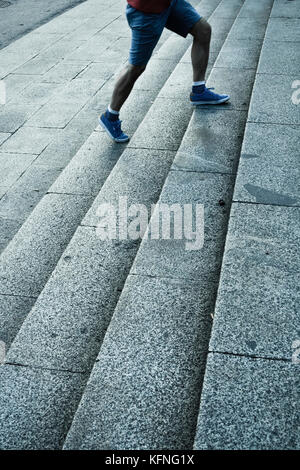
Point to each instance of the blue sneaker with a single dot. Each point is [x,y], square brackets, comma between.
[208,97]
[113,129]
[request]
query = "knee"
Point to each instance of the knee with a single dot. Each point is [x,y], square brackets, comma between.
[135,71]
[202,31]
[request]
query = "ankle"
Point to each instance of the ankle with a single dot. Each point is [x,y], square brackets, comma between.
[198,87]
[111,114]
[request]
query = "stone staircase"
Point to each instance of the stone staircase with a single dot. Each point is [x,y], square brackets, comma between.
[107,341]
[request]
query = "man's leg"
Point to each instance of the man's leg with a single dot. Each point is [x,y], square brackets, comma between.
[143,42]
[125,84]
[201,32]
[184,20]
[110,119]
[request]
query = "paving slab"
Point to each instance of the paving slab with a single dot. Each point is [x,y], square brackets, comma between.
[14,116]
[78,91]
[67,141]
[9,62]
[279,58]
[37,407]
[32,44]
[248,404]
[239,53]
[28,140]
[61,48]
[115,55]
[212,142]
[104,70]
[171,258]
[237,83]
[64,72]
[8,228]
[57,116]
[65,103]
[15,84]
[12,166]
[91,50]
[266,107]
[284,29]
[35,93]
[59,25]
[28,259]
[37,66]
[3,137]
[258,299]
[144,389]
[23,196]
[268,170]
[13,310]
[117,28]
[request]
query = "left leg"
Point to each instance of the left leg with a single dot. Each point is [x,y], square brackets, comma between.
[201,32]
[184,19]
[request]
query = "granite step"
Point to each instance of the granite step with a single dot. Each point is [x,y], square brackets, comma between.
[79,297]
[250,397]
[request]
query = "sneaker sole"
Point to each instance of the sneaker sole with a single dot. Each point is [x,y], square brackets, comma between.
[198,103]
[115,139]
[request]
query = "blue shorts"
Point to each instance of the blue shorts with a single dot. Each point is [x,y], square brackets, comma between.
[147,28]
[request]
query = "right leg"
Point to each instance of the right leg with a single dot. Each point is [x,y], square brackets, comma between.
[110,119]
[125,84]
[146,31]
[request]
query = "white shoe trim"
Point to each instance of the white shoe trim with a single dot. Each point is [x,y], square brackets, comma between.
[222,100]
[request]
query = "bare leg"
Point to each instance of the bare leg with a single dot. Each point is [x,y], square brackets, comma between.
[124,85]
[200,49]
